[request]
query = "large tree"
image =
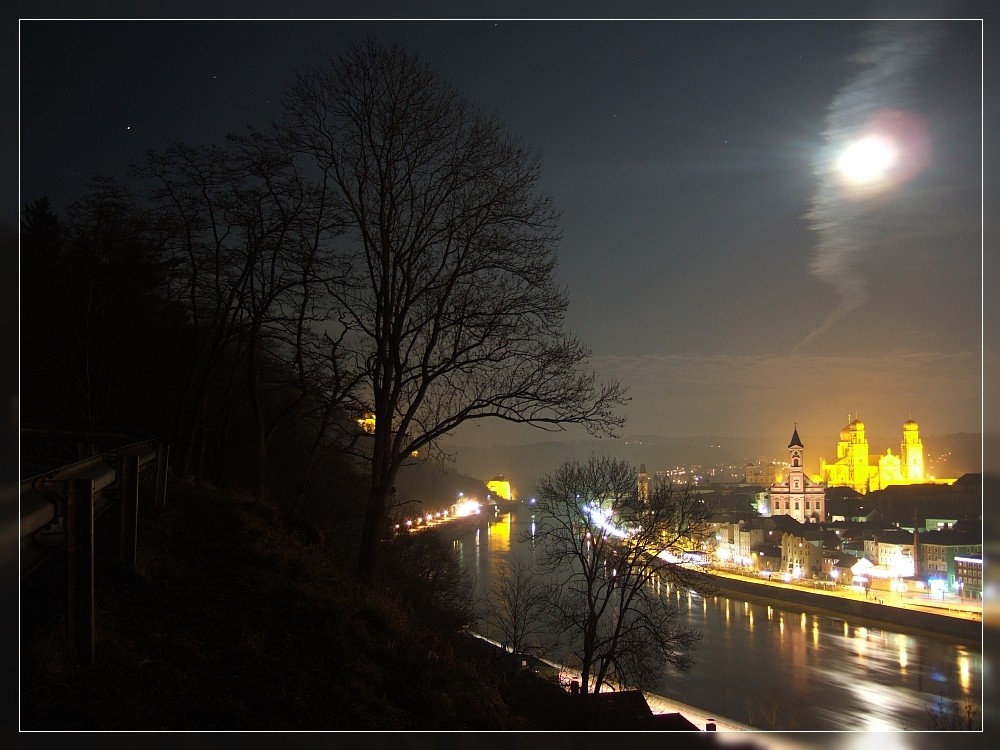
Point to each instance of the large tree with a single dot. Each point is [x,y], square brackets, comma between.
[613,553]
[451,307]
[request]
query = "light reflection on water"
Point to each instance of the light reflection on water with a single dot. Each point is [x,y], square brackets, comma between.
[786,669]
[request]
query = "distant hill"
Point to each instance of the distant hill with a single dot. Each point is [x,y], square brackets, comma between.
[429,486]
[948,455]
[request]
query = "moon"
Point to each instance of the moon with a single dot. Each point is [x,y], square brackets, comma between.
[867,160]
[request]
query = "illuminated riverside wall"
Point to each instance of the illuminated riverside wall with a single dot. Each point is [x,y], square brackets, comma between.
[904,618]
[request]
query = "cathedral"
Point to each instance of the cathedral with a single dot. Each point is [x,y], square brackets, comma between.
[855,469]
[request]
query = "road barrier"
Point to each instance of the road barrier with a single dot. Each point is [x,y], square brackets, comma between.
[58,510]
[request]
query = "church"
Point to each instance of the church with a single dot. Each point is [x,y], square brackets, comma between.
[855,469]
[797,495]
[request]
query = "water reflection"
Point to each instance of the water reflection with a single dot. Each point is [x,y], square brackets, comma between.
[785,669]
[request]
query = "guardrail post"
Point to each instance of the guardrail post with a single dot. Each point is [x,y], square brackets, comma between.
[80,570]
[128,478]
[162,459]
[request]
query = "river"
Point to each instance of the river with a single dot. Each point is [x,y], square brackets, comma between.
[781,668]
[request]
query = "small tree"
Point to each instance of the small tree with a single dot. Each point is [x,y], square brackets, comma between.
[517,606]
[612,552]
[953,715]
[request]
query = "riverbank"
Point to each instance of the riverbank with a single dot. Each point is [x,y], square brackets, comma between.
[658,704]
[964,623]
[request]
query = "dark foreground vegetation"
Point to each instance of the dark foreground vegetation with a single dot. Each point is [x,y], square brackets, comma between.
[229,623]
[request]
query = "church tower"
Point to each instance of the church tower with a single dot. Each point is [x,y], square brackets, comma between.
[798,496]
[911,452]
[857,457]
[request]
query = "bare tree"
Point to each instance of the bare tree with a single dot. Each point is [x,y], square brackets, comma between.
[954,714]
[517,607]
[612,553]
[249,242]
[90,291]
[451,308]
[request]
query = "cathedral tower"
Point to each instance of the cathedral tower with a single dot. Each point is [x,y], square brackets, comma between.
[911,452]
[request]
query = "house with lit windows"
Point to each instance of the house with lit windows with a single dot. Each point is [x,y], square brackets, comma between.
[969,575]
[939,551]
[891,552]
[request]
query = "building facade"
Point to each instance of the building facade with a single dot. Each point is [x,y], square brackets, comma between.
[969,575]
[939,551]
[856,469]
[797,495]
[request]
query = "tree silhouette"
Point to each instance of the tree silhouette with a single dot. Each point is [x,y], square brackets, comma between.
[248,236]
[612,554]
[450,308]
[97,333]
[516,607]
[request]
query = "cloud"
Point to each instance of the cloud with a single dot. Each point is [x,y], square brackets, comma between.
[764,395]
[851,222]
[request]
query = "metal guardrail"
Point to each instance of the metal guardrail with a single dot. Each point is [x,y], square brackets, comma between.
[57,511]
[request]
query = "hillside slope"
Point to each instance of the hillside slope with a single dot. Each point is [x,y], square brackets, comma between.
[231,624]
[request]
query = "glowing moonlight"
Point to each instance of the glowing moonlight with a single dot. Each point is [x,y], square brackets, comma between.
[867,160]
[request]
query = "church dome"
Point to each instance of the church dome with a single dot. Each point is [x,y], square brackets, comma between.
[909,425]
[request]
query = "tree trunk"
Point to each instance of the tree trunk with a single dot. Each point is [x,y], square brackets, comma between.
[368,554]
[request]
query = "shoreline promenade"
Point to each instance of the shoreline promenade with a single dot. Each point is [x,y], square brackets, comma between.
[910,610]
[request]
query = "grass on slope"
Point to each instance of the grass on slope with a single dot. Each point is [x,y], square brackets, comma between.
[231,624]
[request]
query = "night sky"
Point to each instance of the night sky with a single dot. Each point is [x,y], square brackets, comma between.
[715,258]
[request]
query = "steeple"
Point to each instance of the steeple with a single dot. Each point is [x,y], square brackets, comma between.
[795,443]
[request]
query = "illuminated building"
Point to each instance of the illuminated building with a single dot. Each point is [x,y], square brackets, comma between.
[855,469]
[969,575]
[800,558]
[797,495]
[762,475]
[501,487]
[891,552]
[367,423]
[940,552]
